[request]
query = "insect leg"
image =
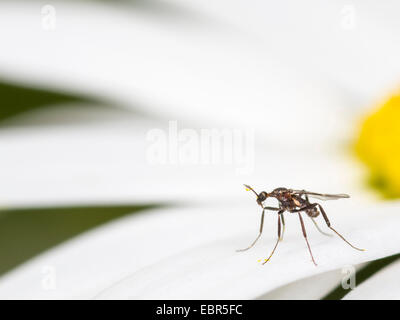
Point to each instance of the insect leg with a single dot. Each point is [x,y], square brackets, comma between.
[318,228]
[305,237]
[315,222]
[279,236]
[259,235]
[271,208]
[329,226]
[283,226]
[261,228]
[310,206]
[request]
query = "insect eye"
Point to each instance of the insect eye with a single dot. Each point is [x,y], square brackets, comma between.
[262,196]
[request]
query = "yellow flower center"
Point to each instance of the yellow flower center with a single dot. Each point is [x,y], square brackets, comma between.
[378,146]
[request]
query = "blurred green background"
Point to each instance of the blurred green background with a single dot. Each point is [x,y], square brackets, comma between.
[26,232]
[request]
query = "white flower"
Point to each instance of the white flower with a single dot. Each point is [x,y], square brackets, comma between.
[216,65]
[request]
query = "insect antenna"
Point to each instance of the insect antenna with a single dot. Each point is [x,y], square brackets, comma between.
[248,188]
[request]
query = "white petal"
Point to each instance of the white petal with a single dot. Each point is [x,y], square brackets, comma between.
[106,161]
[311,288]
[384,285]
[190,253]
[209,74]
[347,42]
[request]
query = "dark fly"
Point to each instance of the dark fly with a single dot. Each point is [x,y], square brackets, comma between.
[295,201]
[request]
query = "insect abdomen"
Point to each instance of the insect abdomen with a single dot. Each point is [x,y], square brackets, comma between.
[313,213]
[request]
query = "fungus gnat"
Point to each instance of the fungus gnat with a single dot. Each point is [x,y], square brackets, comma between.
[295,201]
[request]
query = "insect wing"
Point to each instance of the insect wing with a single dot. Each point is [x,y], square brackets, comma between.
[322,196]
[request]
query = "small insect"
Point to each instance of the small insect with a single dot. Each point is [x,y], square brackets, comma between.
[295,201]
